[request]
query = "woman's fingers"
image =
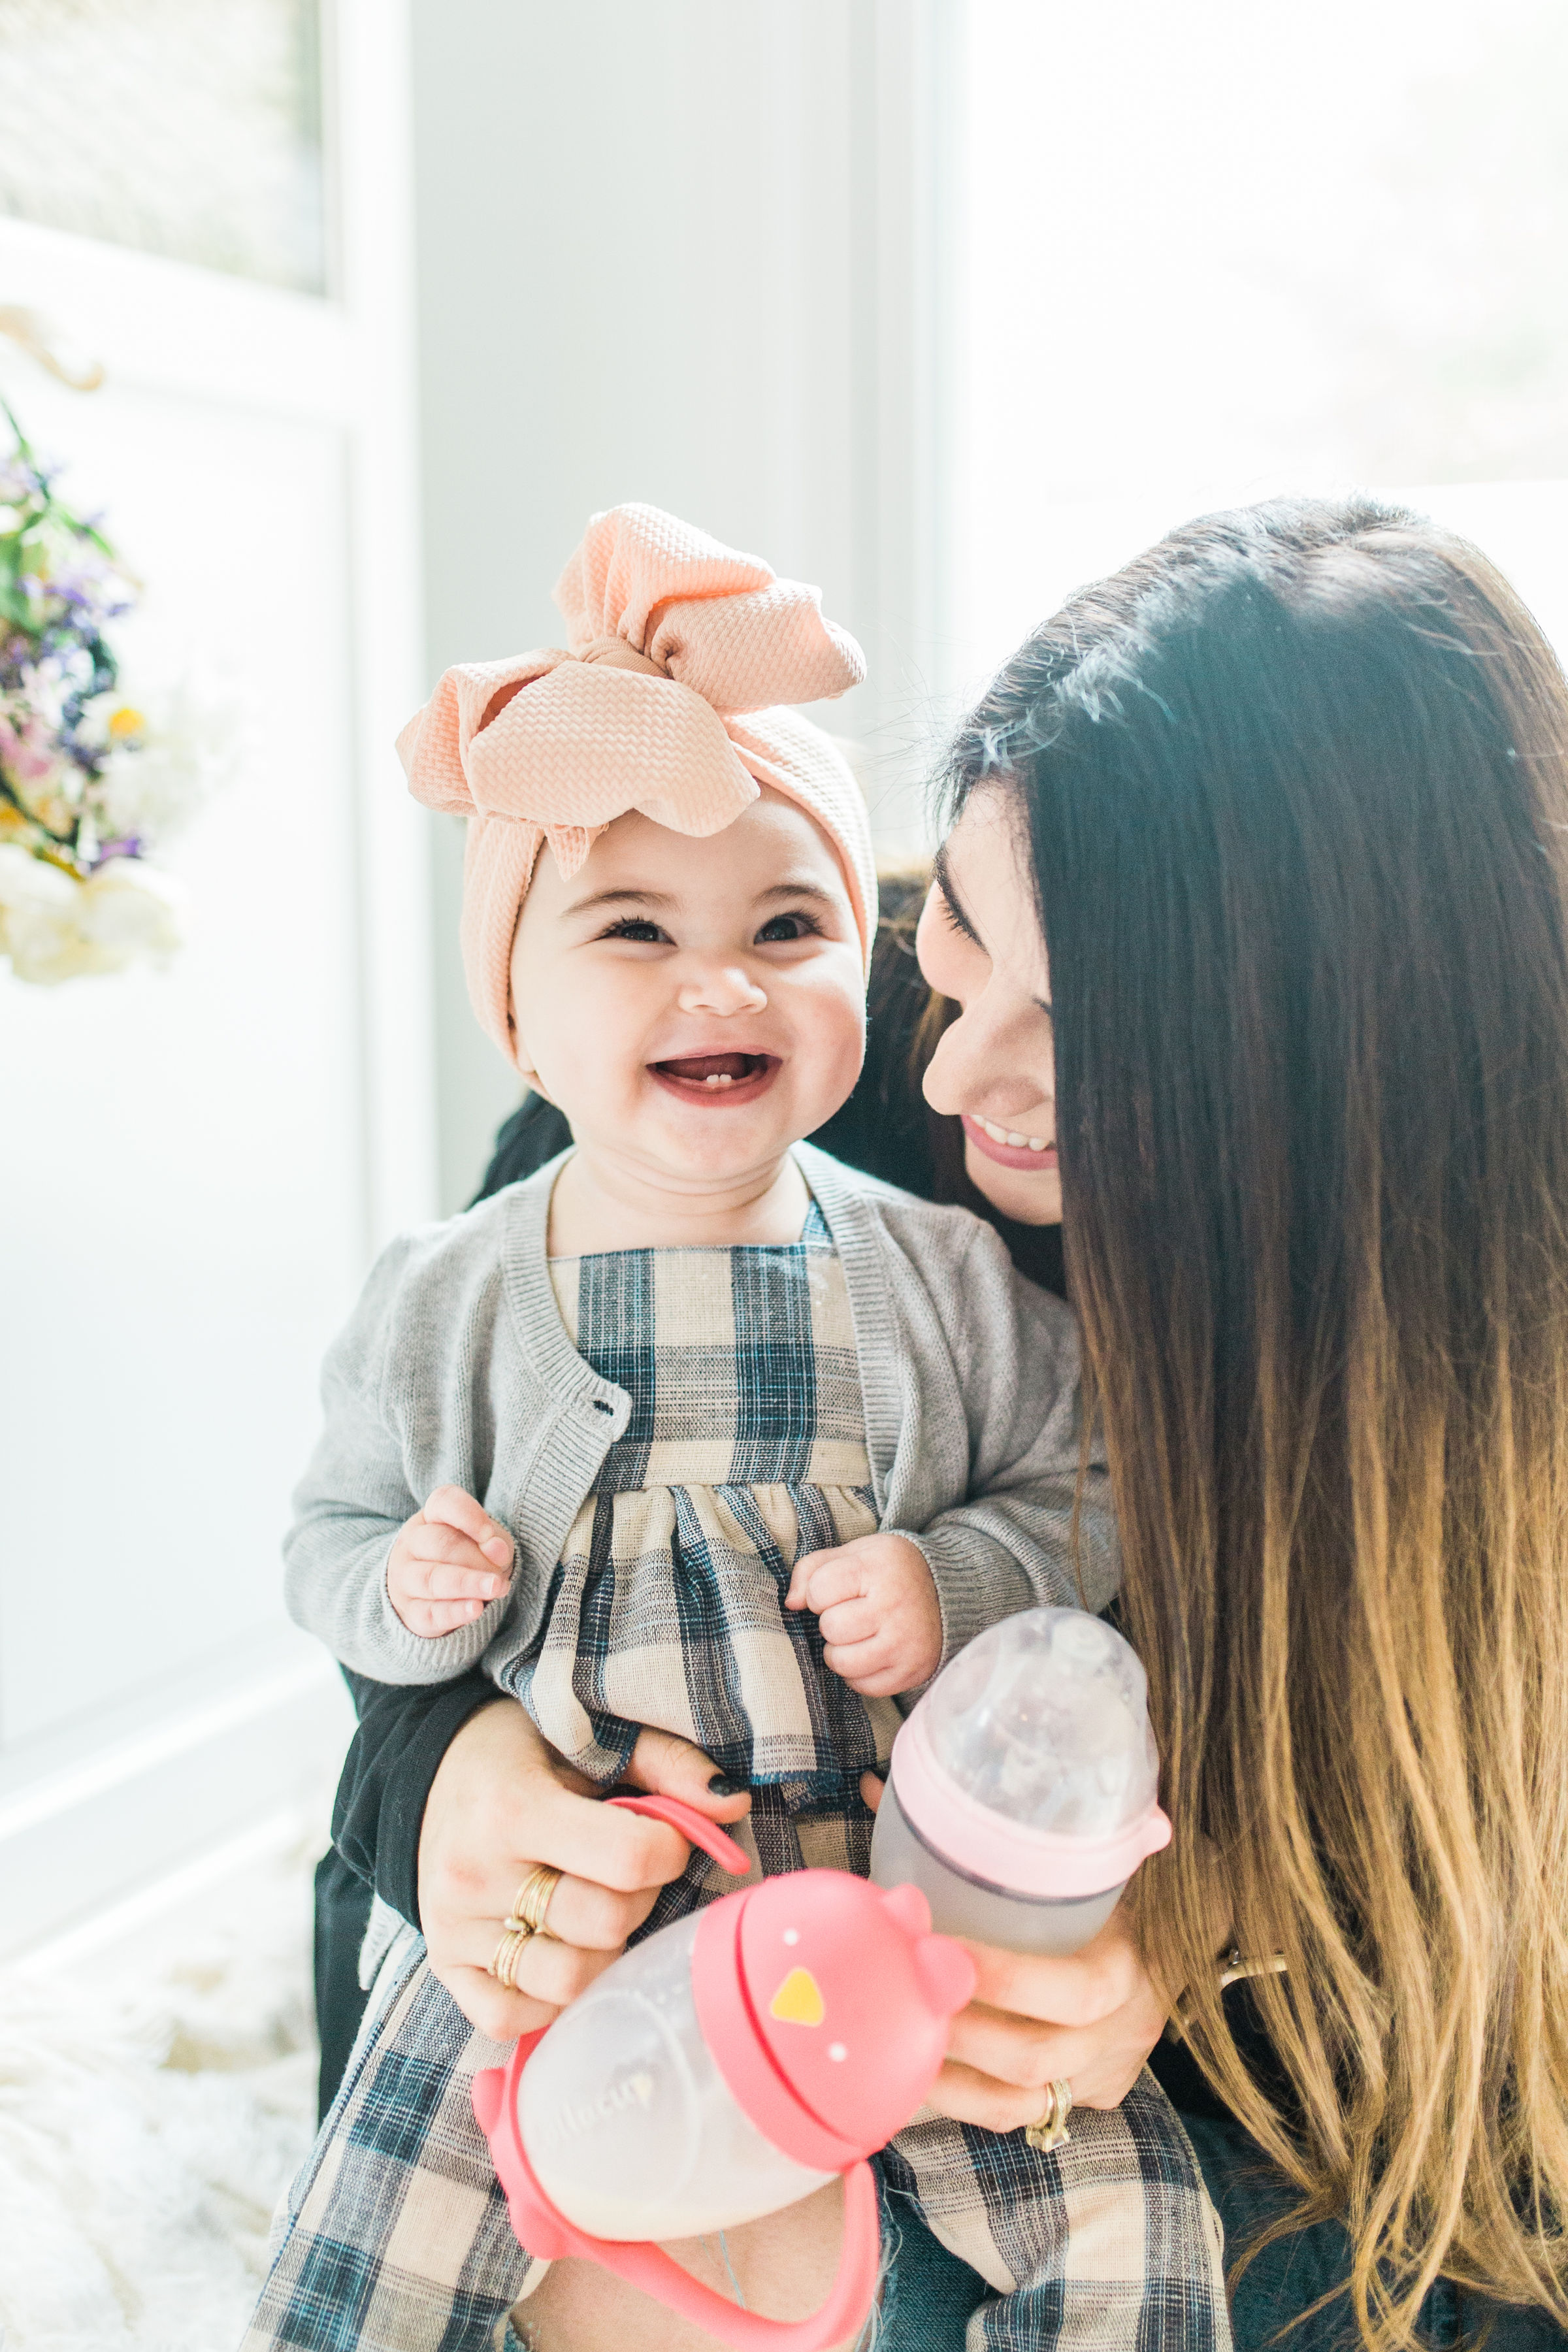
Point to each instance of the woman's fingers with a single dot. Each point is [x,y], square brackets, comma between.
[668,1766]
[589,1919]
[1018,2052]
[1082,1989]
[502,1802]
[557,1973]
[1091,2020]
[473,1861]
[613,1849]
[972,2097]
[1101,2076]
[504,2015]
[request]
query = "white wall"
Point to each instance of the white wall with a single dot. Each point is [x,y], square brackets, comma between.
[695,255]
[198,1164]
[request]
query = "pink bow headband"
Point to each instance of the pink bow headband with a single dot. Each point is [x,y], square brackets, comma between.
[671,639]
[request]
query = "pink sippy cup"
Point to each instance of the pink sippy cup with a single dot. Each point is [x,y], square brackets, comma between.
[1023,1793]
[724,2069]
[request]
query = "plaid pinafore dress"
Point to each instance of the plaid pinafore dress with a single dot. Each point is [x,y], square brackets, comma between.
[745,1450]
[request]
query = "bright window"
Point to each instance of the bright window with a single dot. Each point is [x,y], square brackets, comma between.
[1224,249]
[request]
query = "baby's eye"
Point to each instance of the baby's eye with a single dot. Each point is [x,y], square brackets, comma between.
[797,925]
[639,928]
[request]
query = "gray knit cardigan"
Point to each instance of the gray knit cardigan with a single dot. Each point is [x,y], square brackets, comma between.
[455,1370]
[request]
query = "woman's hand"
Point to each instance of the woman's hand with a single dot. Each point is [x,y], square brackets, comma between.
[502,1801]
[1090,2021]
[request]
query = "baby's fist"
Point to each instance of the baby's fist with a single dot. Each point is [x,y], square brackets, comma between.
[876,1603]
[442,1570]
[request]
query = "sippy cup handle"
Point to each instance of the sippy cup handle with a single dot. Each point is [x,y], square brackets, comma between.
[546,2233]
[694,1827]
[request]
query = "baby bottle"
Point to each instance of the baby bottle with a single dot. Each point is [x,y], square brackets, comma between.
[726,2068]
[1022,1794]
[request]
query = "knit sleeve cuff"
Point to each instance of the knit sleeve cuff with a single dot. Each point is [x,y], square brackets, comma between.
[977,1582]
[405,1658]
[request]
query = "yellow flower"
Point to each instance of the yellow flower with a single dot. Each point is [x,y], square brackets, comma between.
[126,722]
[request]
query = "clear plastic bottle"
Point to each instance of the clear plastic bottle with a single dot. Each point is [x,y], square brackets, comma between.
[627,2122]
[1023,1792]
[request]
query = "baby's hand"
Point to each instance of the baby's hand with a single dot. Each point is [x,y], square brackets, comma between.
[440,1573]
[878,1608]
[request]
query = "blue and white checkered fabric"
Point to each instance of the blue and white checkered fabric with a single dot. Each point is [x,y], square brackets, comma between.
[746,1447]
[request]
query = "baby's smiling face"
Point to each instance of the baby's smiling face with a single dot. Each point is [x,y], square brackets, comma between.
[693,1006]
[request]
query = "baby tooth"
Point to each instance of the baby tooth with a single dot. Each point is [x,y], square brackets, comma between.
[1035,1143]
[1017,1141]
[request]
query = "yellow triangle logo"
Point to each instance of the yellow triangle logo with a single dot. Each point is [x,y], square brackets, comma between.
[798,2000]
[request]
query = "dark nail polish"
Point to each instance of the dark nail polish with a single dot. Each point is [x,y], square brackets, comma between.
[720,1785]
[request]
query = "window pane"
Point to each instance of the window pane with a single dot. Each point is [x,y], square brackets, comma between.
[191,127]
[1220,250]
[1231,238]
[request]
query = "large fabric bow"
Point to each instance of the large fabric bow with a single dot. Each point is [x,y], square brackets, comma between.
[677,646]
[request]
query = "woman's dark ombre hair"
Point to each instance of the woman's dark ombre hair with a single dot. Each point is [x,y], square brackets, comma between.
[1295,785]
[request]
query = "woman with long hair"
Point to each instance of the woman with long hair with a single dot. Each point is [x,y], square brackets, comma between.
[1259,873]
[1255,908]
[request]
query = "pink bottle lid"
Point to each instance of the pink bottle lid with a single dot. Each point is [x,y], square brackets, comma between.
[826,2002]
[1040,1865]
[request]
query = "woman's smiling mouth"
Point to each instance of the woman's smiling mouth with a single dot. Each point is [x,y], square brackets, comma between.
[1007,1146]
[717,1078]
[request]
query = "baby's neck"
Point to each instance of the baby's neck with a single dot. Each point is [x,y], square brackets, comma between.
[601,1203]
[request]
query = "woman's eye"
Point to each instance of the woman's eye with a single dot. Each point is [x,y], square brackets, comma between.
[793,926]
[953,920]
[639,928]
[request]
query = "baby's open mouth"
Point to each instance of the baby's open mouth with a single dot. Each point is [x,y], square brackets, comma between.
[717,1077]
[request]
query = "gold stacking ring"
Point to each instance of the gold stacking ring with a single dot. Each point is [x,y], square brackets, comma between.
[523,1921]
[508,1952]
[1050,2129]
[531,1901]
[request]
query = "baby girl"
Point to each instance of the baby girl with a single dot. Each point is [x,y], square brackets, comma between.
[698,1428]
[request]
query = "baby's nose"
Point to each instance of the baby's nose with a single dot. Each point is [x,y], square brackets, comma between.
[723,989]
